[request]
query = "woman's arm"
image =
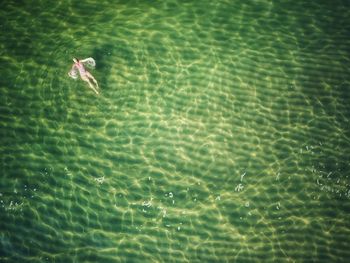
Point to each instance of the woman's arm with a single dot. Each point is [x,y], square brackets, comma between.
[73,73]
[89,61]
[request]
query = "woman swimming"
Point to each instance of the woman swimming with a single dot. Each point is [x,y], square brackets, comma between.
[85,75]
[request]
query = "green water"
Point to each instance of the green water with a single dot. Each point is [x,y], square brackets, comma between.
[221,133]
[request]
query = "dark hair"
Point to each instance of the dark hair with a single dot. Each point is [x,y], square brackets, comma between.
[76,58]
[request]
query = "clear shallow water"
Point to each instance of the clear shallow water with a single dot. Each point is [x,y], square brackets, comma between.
[221,134]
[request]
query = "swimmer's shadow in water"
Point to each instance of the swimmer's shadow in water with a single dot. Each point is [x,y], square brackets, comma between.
[105,55]
[102,56]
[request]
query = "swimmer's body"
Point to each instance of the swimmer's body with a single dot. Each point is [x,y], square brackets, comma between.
[84,74]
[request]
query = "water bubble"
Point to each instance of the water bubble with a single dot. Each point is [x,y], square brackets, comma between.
[239,188]
[242,175]
[100,180]
[278,176]
[147,203]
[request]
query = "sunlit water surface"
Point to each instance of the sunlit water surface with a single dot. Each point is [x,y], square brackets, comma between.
[221,133]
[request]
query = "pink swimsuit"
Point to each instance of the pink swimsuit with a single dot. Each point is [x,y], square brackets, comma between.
[81,69]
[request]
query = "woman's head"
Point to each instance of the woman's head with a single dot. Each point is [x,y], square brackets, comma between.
[75,60]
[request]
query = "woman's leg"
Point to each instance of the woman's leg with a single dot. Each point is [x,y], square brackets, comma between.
[88,74]
[90,84]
